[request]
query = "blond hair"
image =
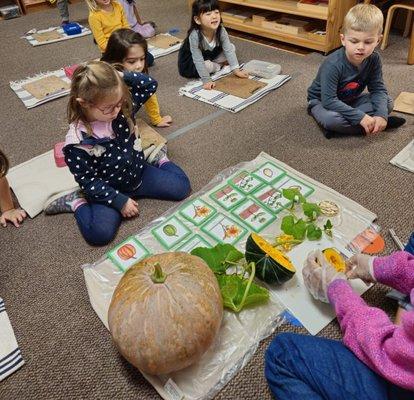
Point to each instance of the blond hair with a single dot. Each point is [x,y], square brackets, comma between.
[92,5]
[4,164]
[364,18]
[92,82]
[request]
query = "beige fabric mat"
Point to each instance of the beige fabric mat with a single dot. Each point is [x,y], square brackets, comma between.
[149,135]
[47,36]
[238,87]
[164,41]
[46,86]
[404,103]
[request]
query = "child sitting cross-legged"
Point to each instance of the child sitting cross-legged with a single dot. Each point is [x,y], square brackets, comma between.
[336,99]
[105,156]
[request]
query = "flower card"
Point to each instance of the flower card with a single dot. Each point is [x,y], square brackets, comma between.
[269,172]
[227,197]
[224,229]
[253,215]
[128,253]
[171,232]
[195,241]
[245,182]
[197,211]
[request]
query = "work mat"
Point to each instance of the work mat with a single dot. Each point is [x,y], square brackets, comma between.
[42,88]
[405,158]
[52,35]
[243,88]
[217,214]
[404,103]
[35,180]
[228,101]
[163,44]
[149,135]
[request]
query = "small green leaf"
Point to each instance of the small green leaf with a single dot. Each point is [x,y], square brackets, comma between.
[299,230]
[218,258]
[328,228]
[313,232]
[311,210]
[293,195]
[288,222]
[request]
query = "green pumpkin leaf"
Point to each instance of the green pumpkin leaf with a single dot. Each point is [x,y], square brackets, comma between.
[288,222]
[219,257]
[299,230]
[293,195]
[313,232]
[311,210]
[232,290]
[327,228]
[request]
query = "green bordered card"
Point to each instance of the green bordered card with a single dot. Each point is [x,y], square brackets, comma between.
[171,232]
[245,182]
[197,211]
[128,253]
[269,172]
[195,241]
[224,229]
[287,182]
[253,214]
[227,196]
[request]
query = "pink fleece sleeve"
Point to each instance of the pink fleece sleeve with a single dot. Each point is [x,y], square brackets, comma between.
[386,348]
[396,271]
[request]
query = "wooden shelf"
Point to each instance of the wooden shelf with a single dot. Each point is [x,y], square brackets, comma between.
[285,6]
[299,39]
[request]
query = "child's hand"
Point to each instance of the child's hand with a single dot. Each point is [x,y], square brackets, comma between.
[165,122]
[130,209]
[368,123]
[15,216]
[241,74]
[360,266]
[209,85]
[380,125]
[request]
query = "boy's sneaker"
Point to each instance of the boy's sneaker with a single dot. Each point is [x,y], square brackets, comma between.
[64,202]
[156,153]
[395,122]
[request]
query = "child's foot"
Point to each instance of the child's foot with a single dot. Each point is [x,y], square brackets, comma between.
[395,122]
[159,153]
[328,134]
[64,202]
[212,67]
[64,23]
[166,121]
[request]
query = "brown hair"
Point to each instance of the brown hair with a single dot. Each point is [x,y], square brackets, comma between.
[92,82]
[4,164]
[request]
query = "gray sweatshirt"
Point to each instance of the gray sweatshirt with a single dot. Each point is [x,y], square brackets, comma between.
[228,50]
[338,83]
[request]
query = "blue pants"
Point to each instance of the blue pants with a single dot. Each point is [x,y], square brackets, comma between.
[313,368]
[410,245]
[335,122]
[99,223]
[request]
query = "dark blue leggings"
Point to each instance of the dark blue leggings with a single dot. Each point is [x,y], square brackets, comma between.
[99,223]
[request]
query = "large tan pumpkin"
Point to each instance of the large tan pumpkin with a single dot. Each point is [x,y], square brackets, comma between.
[165,312]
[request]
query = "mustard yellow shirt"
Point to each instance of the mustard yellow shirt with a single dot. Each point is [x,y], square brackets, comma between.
[103,23]
[153,110]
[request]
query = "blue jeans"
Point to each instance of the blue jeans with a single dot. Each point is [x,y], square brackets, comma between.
[314,368]
[410,244]
[99,223]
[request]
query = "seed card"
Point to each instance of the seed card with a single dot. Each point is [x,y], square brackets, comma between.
[197,211]
[288,182]
[171,232]
[227,197]
[224,229]
[269,172]
[253,214]
[128,253]
[195,241]
[245,182]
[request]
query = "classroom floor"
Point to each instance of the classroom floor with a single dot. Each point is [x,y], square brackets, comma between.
[68,352]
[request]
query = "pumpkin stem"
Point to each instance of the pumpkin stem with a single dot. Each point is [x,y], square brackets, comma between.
[158,276]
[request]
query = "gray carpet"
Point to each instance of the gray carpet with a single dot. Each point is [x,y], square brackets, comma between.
[67,350]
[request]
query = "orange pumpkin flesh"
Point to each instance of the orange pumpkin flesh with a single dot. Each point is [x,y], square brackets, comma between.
[164,326]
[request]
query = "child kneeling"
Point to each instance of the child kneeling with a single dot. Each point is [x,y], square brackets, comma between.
[105,156]
[335,97]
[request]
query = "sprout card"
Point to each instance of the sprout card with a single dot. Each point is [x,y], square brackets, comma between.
[271,198]
[224,229]
[195,241]
[245,182]
[128,253]
[269,172]
[197,211]
[253,215]
[227,196]
[171,232]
